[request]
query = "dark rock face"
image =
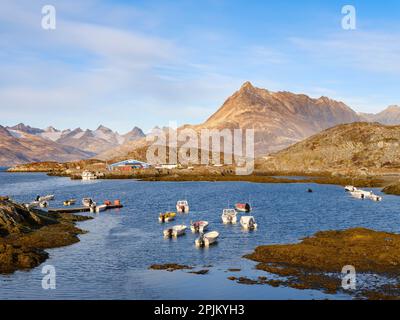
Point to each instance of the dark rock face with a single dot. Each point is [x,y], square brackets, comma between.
[24,235]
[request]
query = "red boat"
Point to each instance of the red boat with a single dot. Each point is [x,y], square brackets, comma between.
[243,207]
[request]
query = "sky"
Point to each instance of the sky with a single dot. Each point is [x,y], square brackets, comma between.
[146,63]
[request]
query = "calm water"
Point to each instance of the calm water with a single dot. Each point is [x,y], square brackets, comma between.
[112,260]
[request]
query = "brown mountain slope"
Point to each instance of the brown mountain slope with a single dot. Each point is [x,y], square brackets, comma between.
[349,147]
[389,116]
[31,148]
[278,118]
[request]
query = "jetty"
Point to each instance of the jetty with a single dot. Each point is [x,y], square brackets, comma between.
[81,209]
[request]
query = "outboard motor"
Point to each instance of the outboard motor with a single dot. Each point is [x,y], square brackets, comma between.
[247,207]
[251,224]
[163,218]
[170,233]
[202,242]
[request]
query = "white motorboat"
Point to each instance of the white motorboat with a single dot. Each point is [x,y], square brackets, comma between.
[375,197]
[33,204]
[199,226]
[175,231]
[88,175]
[361,194]
[229,216]
[49,197]
[205,240]
[350,188]
[88,202]
[43,204]
[182,206]
[248,222]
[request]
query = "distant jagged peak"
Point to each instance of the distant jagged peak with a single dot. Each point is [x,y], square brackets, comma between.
[51,129]
[393,108]
[27,129]
[103,128]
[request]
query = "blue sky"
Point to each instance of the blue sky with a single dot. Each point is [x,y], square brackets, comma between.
[145,63]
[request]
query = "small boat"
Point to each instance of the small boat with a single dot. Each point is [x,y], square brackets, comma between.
[243,207]
[166,217]
[88,175]
[375,197]
[43,204]
[205,240]
[69,202]
[100,208]
[88,202]
[182,206]
[350,188]
[358,194]
[49,197]
[175,231]
[229,216]
[33,204]
[199,226]
[248,222]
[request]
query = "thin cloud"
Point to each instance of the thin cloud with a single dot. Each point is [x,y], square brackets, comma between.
[370,51]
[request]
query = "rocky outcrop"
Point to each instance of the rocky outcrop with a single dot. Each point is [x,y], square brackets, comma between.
[361,148]
[24,234]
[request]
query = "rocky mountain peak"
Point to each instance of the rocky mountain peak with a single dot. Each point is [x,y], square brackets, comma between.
[51,129]
[103,129]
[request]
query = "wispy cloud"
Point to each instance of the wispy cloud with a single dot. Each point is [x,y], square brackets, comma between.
[371,51]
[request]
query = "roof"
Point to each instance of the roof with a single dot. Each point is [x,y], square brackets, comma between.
[128,162]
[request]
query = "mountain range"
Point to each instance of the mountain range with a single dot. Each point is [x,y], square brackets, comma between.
[279,120]
[22,143]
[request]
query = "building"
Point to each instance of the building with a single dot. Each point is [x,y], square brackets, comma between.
[128,165]
[167,166]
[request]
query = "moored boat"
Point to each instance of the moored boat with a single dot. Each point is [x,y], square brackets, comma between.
[229,216]
[207,239]
[199,226]
[182,206]
[88,202]
[166,217]
[43,204]
[49,197]
[69,202]
[243,207]
[350,188]
[88,175]
[100,208]
[31,205]
[375,197]
[175,231]
[248,222]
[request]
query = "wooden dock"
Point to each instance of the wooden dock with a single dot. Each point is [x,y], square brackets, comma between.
[80,209]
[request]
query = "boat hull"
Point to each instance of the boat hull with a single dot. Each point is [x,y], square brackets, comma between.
[201,227]
[175,231]
[230,219]
[207,240]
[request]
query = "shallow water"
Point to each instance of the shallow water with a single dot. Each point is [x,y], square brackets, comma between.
[112,260]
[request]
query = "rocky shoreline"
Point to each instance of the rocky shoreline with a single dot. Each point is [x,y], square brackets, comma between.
[316,263]
[25,234]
